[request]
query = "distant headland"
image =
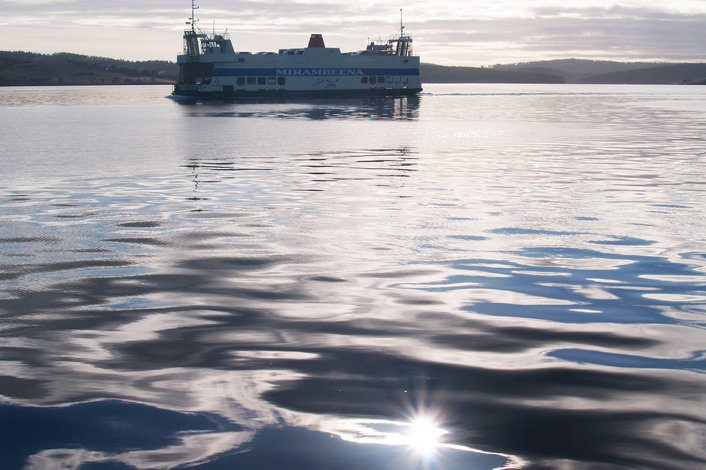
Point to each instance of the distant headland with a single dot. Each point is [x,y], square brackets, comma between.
[28,68]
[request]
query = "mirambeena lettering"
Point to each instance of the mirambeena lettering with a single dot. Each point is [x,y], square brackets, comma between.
[318,72]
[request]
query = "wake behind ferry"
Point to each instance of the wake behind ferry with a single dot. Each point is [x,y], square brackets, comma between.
[211,68]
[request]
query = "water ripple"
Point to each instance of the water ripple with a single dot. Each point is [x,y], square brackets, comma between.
[490,264]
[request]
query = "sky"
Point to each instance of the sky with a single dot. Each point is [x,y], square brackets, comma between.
[446,32]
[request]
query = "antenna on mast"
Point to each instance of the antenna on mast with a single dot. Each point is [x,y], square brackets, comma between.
[193,19]
[401,24]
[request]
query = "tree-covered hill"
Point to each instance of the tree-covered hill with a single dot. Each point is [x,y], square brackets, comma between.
[28,68]
[611,72]
[431,73]
[664,74]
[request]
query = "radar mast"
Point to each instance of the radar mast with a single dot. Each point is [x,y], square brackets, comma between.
[403,43]
[191,37]
[401,24]
[193,20]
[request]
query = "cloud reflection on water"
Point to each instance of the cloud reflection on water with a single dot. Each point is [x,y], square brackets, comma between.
[192,449]
[228,336]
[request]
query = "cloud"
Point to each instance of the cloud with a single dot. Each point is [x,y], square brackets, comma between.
[452,32]
[624,34]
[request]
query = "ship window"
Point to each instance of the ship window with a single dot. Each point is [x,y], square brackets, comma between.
[241,60]
[240,81]
[281,80]
[251,80]
[373,80]
[271,80]
[260,80]
[381,79]
[364,80]
[388,79]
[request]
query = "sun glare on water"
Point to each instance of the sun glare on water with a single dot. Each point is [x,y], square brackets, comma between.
[424,436]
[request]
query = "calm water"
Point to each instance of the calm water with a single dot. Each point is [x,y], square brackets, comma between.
[484,277]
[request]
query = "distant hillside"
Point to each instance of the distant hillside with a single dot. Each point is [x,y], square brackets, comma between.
[574,70]
[603,71]
[431,73]
[678,73]
[28,68]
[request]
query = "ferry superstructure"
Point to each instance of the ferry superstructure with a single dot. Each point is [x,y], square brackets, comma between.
[210,68]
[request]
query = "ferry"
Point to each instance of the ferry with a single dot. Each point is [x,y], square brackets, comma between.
[211,68]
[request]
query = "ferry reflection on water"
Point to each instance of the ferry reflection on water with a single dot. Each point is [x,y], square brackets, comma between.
[315,109]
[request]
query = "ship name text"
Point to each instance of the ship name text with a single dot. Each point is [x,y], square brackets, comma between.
[319,72]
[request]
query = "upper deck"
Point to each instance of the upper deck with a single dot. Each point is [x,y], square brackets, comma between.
[215,48]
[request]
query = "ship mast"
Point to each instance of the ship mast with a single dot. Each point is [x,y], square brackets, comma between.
[191,37]
[404,43]
[193,19]
[401,24]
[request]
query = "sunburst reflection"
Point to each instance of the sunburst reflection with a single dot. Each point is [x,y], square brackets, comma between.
[424,435]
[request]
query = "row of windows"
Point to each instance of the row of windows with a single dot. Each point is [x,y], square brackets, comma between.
[241,81]
[261,81]
[374,80]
